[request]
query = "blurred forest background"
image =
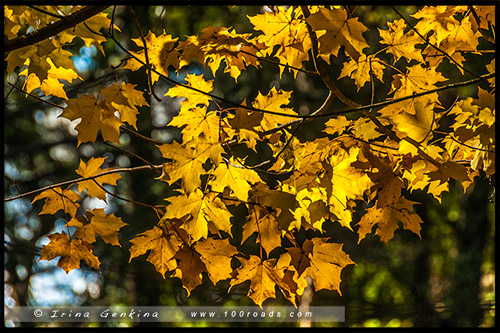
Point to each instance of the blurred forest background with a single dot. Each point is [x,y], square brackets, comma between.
[446,278]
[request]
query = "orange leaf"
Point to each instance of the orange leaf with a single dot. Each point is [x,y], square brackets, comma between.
[92,168]
[263,276]
[162,246]
[189,268]
[106,226]
[265,224]
[57,199]
[94,116]
[326,263]
[216,254]
[201,209]
[386,219]
[71,251]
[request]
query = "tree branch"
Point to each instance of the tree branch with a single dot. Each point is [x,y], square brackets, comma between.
[53,28]
[321,69]
[74,181]
[138,27]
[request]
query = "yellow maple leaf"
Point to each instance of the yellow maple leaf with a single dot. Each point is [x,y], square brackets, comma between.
[299,257]
[386,219]
[281,202]
[312,210]
[191,97]
[243,124]
[57,199]
[491,69]
[106,226]
[162,246]
[274,100]
[198,122]
[216,254]
[85,30]
[94,116]
[51,85]
[337,125]
[263,276]
[34,57]
[161,54]
[360,70]
[401,44]
[337,30]
[420,124]
[237,50]
[11,19]
[45,64]
[450,169]
[327,260]
[71,251]
[486,15]
[239,180]
[417,79]
[265,224]
[190,49]
[343,182]
[365,129]
[188,160]
[202,209]
[189,268]
[439,19]
[292,285]
[125,99]
[92,168]
[284,29]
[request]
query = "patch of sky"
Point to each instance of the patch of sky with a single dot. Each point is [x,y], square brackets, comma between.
[85,60]
[55,287]
[181,76]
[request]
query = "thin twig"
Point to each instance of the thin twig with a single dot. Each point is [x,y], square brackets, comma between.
[466,145]
[279,63]
[74,181]
[36,97]
[372,143]
[130,153]
[148,66]
[139,135]
[124,199]
[8,93]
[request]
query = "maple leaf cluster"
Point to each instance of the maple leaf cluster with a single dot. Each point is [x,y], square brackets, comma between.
[372,157]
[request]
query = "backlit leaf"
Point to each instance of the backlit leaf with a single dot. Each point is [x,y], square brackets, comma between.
[94,186]
[70,251]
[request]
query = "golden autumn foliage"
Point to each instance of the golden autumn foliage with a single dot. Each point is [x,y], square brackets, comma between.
[367,154]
